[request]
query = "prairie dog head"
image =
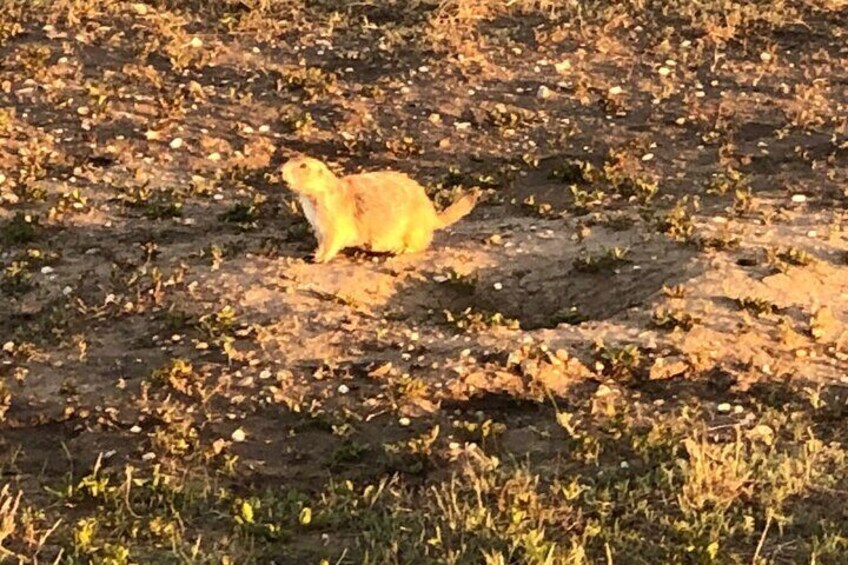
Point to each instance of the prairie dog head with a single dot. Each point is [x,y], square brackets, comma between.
[308,176]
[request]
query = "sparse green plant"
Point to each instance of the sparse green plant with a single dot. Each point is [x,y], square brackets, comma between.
[574,172]
[162,209]
[17,278]
[620,363]
[723,241]
[464,283]
[676,291]
[471,320]
[743,201]
[5,403]
[796,257]
[179,374]
[313,81]
[349,452]
[670,319]
[413,456]
[297,121]
[570,315]
[404,146]
[755,305]
[730,181]
[677,223]
[607,260]
[586,200]
[239,213]
[19,229]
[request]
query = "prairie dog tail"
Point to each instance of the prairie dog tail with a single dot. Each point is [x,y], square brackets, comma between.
[459,209]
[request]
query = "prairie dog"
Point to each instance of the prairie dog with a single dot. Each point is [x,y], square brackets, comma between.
[384,212]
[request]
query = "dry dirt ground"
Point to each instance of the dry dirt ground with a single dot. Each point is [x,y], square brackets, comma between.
[632,351]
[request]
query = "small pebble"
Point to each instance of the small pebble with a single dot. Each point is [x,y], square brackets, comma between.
[404,421]
[343,389]
[176,143]
[724,407]
[544,93]
[239,435]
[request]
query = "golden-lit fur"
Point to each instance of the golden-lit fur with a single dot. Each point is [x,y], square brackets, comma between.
[384,212]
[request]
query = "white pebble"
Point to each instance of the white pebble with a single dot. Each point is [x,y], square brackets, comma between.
[343,389]
[544,93]
[238,435]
